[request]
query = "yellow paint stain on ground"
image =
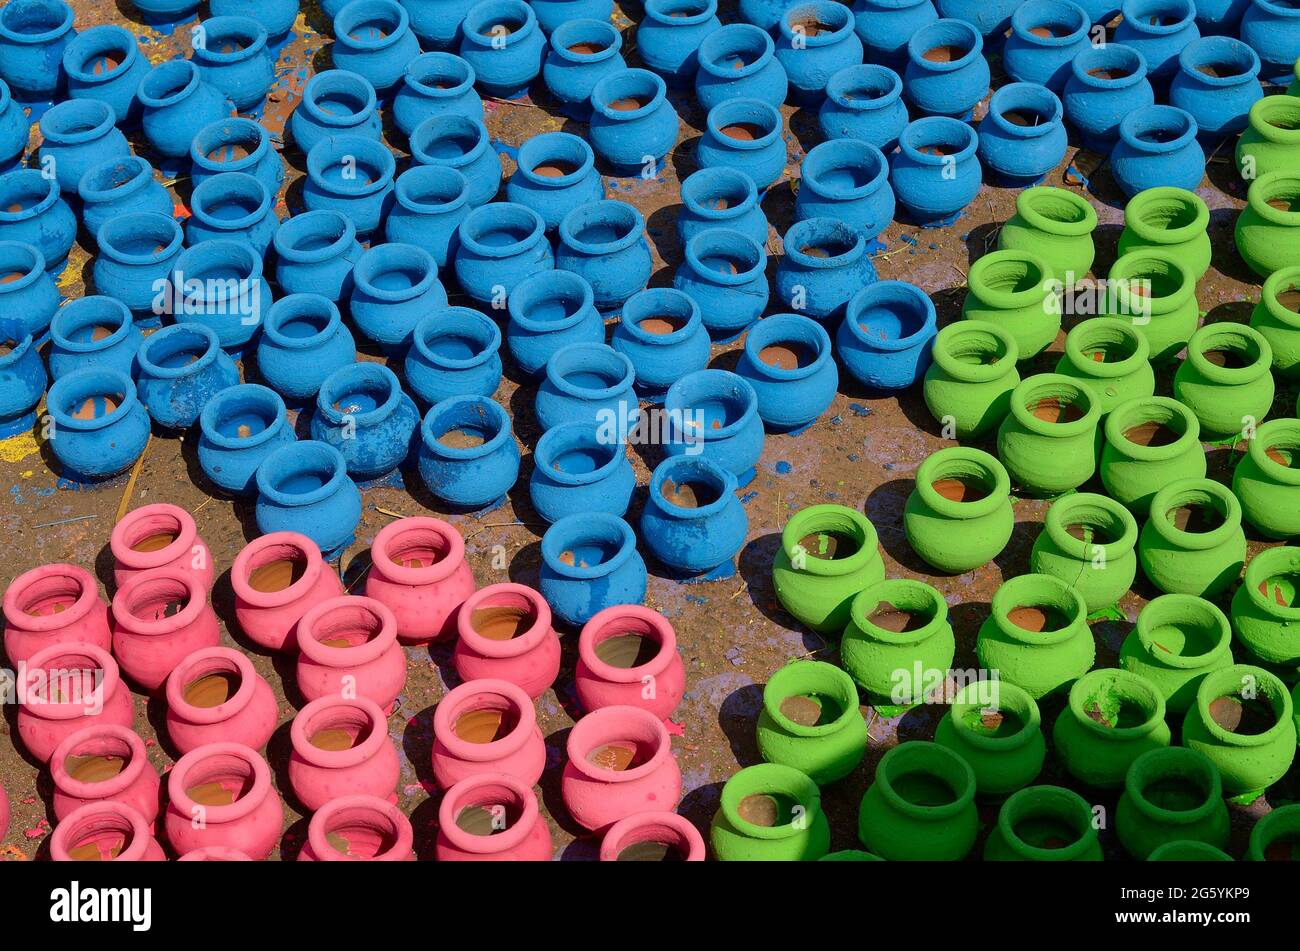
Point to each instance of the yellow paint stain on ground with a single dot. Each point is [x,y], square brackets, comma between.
[18,448]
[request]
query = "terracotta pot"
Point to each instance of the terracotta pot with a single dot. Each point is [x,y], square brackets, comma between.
[104,832]
[159,536]
[620,762]
[491,817]
[42,724]
[418,569]
[160,618]
[276,579]
[341,747]
[650,837]
[102,763]
[349,648]
[506,634]
[214,695]
[358,829]
[486,726]
[627,656]
[53,604]
[221,794]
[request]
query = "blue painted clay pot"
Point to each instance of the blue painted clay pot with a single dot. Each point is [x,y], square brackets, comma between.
[276,16]
[815,41]
[458,142]
[315,252]
[1159,30]
[504,45]
[1022,138]
[1106,83]
[885,338]
[468,456]
[605,243]
[456,351]
[180,368]
[394,286]
[1046,36]
[101,427]
[335,102]
[235,145]
[105,63]
[430,202]
[576,472]
[93,332]
[554,14]
[373,39]
[662,333]
[713,414]
[1157,146]
[632,120]
[668,38]
[219,283]
[165,13]
[745,134]
[549,311]
[589,563]
[825,263]
[238,428]
[739,62]
[42,219]
[556,173]
[919,169]
[30,297]
[234,58]
[78,134]
[353,175]
[15,128]
[119,186]
[22,381]
[1272,29]
[787,360]
[362,412]
[437,23]
[303,341]
[864,102]
[990,17]
[234,206]
[764,14]
[304,487]
[435,84]
[1220,17]
[137,252]
[693,523]
[1216,84]
[846,179]
[33,35]
[497,246]
[885,26]
[721,198]
[946,72]
[581,53]
[725,273]
[588,383]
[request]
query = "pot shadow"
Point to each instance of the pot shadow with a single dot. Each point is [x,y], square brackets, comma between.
[1226,179]
[1105,239]
[1224,256]
[585,848]
[966,619]
[884,508]
[699,806]
[777,203]
[982,240]
[155,711]
[526,567]
[1109,635]
[278,751]
[682,159]
[755,567]
[662,229]
[737,717]
[1236,312]
[424,826]
[294,840]
[1013,559]
[551,783]
[417,746]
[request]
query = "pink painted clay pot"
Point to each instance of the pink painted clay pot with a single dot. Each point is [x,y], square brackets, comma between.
[277,578]
[53,604]
[627,656]
[159,536]
[506,634]
[491,817]
[358,829]
[652,836]
[221,794]
[102,763]
[341,747]
[214,853]
[487,726]
[418,569]
[105,831]
[215,695]
[88,690]
[348,647]
[160,618]
[620,763]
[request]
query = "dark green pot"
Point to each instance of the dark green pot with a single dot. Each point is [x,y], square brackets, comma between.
[1150,442]
[1276,836]
[828,554]
[1171,795]
[800,832]
[1049,442]
[1113,717]
[1267,480]
[969,383]
[1188,852]
[1111,357]
[1044,824]
[921,806]
[1178,639]
[1088,541]
[1228,400]
[850,855]
[1039,660]
[898,666]
[833,743]
[952,535]
[995,727]
[1184,561]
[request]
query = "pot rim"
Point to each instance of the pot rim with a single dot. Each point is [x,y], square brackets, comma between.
[1068,386]
[622,719]
[560,41]
[918,299]
[947,337]
[353,15]
[233,25]
[735,38]
[1037,797]
[1139,410]
[941,461]
[1174,609]
[195,332]
[1020,703]
[36,39]
[601,96]
[1258,571]
[1111,54]
[504,841]
[447,563]
[210,416]
[1170,495]
[345,658]
[196,602]
[103,378]
[558,536]
[451,316]
[461,67]
[105,124]
[499,213]
[187,536]
[1136,688]
[378,257]
[923,750]
[890,591]
[602,212]
[126,44]
[766,779]
[770,330]
[288,231]
[205,661]
[59,334]
[615,620]
[141,837]
[1021,24]
[703,469]
[1036,219]
[1245,337]
[665,17]
[380,811]
[575,435]
[829,516]
[231,812]
[836,92]
[1065,509]
[107,789]
[1208,48]
[354,374]
[497,9]
[632,324]
[486,407]
[291,306]
[1158,117]
[727,241]
[673,399]
[240,572]
[531,639]
[1220,683]
[235,180]
[175,95]
[334,80]
[827,13]
[1258,447]
[933,33]
[456,701]
[301,451]
[351,757]
[1101,330]
[809,675]
[18,619]
[552,142]
[1028,591]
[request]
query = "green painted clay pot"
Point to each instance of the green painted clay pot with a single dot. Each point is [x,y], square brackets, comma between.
[1276,836]
[1266,608]
[921,806]
[1188,852]
[828,554]
[770,813]
[1268,229]
[1044,824]
[1172,219]
[1168,315]
[1227,379]
[1048,443]
[1113,717]
[950,533]
[1036,635]
[1277,317]
[850,855]
[811,721]
[1111,357]
[995,727]
[1150,442]
[1056,225]
[1267,480]
[898,644]
[969,383]
[1088,542]
[1171,795]
[1204,556]
[1271,140]
[1259,750]
[1017,291]
[1177,641]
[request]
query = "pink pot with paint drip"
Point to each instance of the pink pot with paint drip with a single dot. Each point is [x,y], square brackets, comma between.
[620,763]
[418,569]
[105,831]
[277,578]
[104,763]
[214,695]
[627,656]
[506,634]
[652,836]
[88,690]
[160,536]
[160,618]
[53,604]
[348,647]
[487,726]
[221,795]
[491,817]
[358,829]
[341,747]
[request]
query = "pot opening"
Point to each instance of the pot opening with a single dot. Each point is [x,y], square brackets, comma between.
[372,30]
[71,678]
[1066,408]
[349,173]
[102,62]
[1221,70]
[246,419]
[1012,276]
[22,193]
[1243,716]
[50,595]
[828,246]
[947,53]
[305,324]
[512,616]
[830,545]
[1026,116]
[978,349]
[626,649]
[718,194]
[487,719]
[363,396]
[98,759]
[963,482]
[1196,517]
[788,354]
[690,493]
[1114,707]
[158,598]
[591,551]
[663,325]
[220,780]
[418,548]
[580,460]
[923,788]
[32,19]
[1110,73]
[1283,848]
[470,428]
[769,810]
[213,683]
[994,723]
[231,206]
[155,533]
[504,234]
[1176,793]
[277,568]
[631,103]
[1166,429]
[94,405]
[1186,637]
[555,304]
[339,729]
[100,838]
[308,475]
[1110,351]
[1039,618]
[1046,831]
[178,350]
[233,151]
[654,849]
[108,177]
[900,619]
[588,47]
[502,26]
[727,262]
[361,833]
[492,816]
[347,626]
[892,320]
[608,231]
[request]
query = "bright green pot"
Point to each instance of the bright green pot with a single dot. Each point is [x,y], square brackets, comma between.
[770,813]
[898,645]
[1150,442]
[1268,229]
[828,554]
[996,728]
[1277,318]
[1185,851]
[1017,291]
[1267,480]
[1276,836]
[811,721]
[969,383]
[1172,219]
[1171,795]
[1249,758]
[1206,556]
[1266,608]
[1044,824]
[1113,717]
[1111,357]
[1271,140]
[1036,635]
[1088,541]
[1177,641]
[1049,442]
[850,855]
[921,806]
[1056,225]
[1227,379]
[1167,316]
[949,533]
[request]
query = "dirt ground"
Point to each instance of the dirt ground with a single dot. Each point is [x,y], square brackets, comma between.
[731,633]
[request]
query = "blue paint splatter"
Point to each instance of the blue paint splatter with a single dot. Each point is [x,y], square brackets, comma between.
[748,497]
[782,467]
[857,409]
